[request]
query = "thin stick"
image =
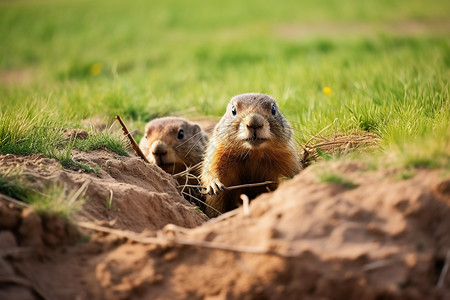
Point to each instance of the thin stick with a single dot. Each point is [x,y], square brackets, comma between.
[163,240]
[377,264]
[13,201]
[223,216]
[187,171]
[202,202]
[326,127]
[133,143]
[233,187]
[109,129]
[189,185]
[80,191]
[240,186]
[245,205]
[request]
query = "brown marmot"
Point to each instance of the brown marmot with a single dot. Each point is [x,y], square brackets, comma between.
[173,144]
[252,143]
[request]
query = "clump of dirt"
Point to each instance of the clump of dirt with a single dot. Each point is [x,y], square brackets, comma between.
[126,192]
[71,134]
[382,238]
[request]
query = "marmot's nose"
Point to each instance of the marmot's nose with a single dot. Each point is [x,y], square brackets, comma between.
[255,121]
[159,148]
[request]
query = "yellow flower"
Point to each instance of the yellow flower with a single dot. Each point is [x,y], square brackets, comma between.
[326,90]
[96,69]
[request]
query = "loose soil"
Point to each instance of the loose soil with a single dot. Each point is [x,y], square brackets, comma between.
[385,238]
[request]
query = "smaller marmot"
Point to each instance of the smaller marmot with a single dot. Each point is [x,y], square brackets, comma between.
[173,144]
[252,143]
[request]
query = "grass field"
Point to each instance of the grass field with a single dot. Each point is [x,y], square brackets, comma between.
[380,66]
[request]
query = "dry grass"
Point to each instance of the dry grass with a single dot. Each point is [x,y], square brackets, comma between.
[321,147]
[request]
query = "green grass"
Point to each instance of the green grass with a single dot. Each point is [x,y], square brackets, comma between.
[11,184]
[35,128]
[70,60]
[337,179]
[101,140]
[55,199]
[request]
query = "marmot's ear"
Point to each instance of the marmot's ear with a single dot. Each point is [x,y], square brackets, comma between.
[147,132]
[196,129]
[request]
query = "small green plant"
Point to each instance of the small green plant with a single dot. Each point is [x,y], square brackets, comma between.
[337,179]
[11,185]
[323,154]
[406,173]
[65,158]
[56,199]
[110,200]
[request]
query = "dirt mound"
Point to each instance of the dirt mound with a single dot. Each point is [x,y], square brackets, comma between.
[126,192]
[379,237]
[384,238]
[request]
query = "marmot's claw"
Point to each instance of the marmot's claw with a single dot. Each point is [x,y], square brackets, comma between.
[215,187]
[220,186]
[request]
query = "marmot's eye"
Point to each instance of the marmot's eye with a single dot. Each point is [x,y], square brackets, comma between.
[233,110]
[180,134]
[274,110]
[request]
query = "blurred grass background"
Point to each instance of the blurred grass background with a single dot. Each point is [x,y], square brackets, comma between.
[380,66]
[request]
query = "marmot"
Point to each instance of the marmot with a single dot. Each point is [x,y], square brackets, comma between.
[252,143]
[173,144]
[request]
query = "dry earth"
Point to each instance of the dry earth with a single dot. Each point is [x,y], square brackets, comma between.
[386,238]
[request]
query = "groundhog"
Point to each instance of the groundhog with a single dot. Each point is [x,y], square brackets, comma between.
[173,144]
[252,143]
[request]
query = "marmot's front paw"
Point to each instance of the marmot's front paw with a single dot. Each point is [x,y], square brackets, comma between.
[214,187]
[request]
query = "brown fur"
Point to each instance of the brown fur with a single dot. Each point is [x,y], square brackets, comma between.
[162,133]
[231,160]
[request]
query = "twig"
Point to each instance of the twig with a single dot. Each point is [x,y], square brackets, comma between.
[314,136]
[80,191]
[444,271]
[174,228]
[248,185]
[245,205]
[133,143]
[240,186]
[223,216]
[376,264]
[187,171]
[109,129]
[202,202]
[189,185]
[163,240]
[14,201]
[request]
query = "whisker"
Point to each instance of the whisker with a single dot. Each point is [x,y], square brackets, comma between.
[193,146]
[188,140]
[202,202]
[245,156]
